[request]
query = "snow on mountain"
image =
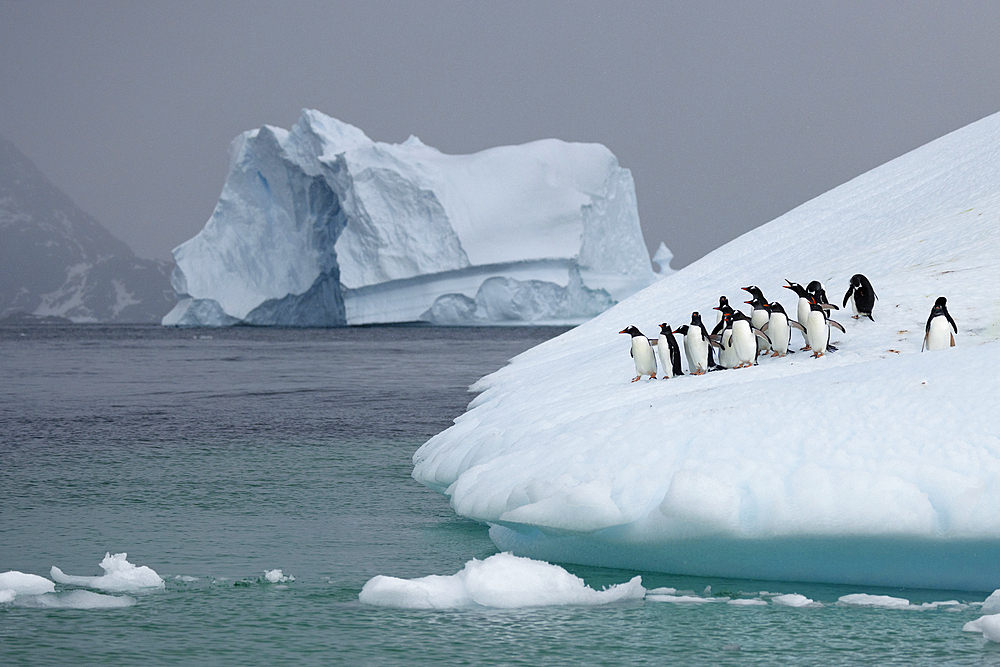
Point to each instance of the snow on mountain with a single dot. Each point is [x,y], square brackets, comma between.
[322,226]
[59,261]
[875,464]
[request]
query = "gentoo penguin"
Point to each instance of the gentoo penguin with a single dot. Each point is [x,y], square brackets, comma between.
[861,295]
[779,329]
[722,337]
[803,307]
[697,346]
[818,329]
[759,315]
[670,352]
[743,340]
[936,334]
[723,308]
[816,291]
[642,354]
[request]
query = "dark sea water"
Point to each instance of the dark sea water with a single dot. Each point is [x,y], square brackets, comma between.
[214,456]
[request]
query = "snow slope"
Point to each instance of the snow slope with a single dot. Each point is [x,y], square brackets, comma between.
[876,464]
[322,226]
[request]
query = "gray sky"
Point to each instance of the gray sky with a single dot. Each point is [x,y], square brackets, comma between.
[727,113]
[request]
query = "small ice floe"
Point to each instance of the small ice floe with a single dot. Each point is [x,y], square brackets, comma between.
[76,600]
[501,581]
[187,579]
[990,606]
[119,575]
[683,599]
[748,602]
[795,600]
[14,583]
[989,623]
[276,577]
[889,602]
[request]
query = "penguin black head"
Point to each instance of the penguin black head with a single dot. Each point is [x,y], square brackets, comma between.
[695,318]
[755,293]
[723,302]
[631,330]
[665,329]
[775,307]
[941,302]
[797,288]
[815,287]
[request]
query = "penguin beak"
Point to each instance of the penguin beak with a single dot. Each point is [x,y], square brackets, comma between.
[748,302]
[623,331]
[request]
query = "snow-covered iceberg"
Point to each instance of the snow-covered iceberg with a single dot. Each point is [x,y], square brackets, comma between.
[876,464]
[321,226]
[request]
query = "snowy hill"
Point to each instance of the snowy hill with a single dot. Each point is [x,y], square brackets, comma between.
[56,260]
[875,464]
[321,226]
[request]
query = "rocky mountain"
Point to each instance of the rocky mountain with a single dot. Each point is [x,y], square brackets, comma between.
[57,260]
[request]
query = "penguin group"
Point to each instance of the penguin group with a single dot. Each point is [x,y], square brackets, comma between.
[739,339]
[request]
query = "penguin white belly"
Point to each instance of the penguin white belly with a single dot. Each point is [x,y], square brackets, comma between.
[758,319]
[779,332]
[854,305]
[696,349]
[804,311]
[727,357]
[939,336]
[642,354]
[817,332]
[744,343]
[663,349]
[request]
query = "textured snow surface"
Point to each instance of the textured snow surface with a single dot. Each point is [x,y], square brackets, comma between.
[875,464]
[322,226]
[501,581]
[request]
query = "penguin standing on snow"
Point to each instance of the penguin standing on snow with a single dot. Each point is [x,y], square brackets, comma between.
[697,347]
[937,334]
[779,329]
[818,329]
[861,295]
[722,337]
[670,352]
[803,308]
[642,354]
[744,340]
[759,316]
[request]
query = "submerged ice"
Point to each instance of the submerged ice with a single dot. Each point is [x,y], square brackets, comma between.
[876,464]
[321,226]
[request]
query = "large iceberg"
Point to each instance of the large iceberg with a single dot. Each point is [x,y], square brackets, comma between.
[876,464]
[321,226]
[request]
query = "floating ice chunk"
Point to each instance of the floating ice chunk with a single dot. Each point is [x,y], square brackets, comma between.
[682,599]
[795,600]
[501,581]
[77,600]
[865,600]
[992,603]
[20,583]
[661,591]
[276,577]
[6,595]
[748,602]
[119,575]
[988,625]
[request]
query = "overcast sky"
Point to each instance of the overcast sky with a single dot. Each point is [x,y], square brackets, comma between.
[727,113]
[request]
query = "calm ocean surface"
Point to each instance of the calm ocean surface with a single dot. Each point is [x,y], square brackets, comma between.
[213,456]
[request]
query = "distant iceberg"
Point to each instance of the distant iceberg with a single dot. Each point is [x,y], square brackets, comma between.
[321,226]
[875,465]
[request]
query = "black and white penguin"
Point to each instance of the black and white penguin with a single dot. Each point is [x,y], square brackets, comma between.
[744,340]
[669,351]
[802,308]
[818,329]
[642,354]
[937,333]
[697,347]
[722,338]
[759,316]
[818,293]
[723,308]
[861,295]
[779,329]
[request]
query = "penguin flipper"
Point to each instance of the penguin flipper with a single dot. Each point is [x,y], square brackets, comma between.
[952,339]
[763,336]
[869,316]
[924,344]
[796,325]
[848,295]
[764,328]
[837,324]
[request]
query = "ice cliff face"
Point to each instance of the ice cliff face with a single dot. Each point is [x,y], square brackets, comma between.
[320,226]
